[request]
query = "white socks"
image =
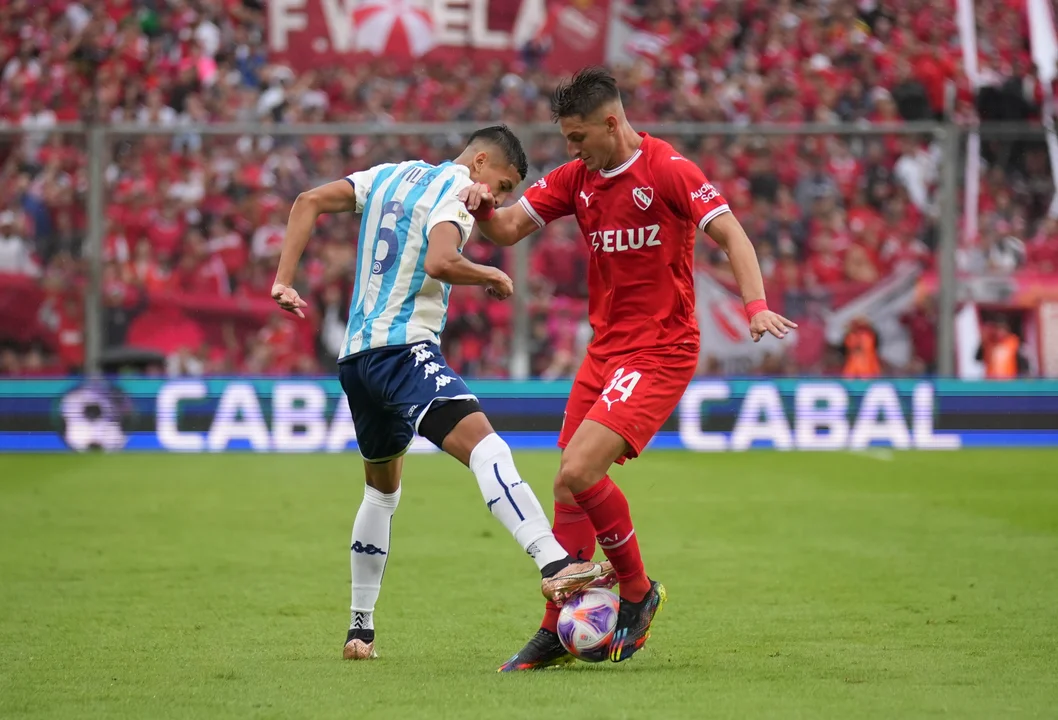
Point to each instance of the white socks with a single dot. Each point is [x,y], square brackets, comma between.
[369,551]
[506,495]
[512,501]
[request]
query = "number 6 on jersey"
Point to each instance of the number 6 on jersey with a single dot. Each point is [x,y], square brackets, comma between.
[623,383]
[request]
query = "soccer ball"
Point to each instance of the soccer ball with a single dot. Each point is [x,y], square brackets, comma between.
[587,623]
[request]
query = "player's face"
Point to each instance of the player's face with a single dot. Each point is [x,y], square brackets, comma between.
[590,138]
[501,177]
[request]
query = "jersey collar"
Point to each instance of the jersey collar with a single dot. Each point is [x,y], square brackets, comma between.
[627,163]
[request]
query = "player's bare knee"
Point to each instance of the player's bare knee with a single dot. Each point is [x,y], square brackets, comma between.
[559,486]
[384,476]
[562,493]
[575,476]
[466,436]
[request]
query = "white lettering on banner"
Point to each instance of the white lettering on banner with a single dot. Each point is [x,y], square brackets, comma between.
[691,434]
[299,422]
[284,17]
[922,422]
[342,431]
[167,410]
[880,419]
[339,15]
[480,35]
[818,406]
[456,23]
[298,426]
[762,419]
[238,417]
[451,22]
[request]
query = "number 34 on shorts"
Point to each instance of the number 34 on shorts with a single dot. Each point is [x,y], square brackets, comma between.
[620,388]
[632,395]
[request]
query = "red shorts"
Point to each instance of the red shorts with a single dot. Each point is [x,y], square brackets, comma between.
[632,394]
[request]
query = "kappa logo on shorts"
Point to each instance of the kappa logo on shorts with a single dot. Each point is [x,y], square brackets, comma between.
[422,353]
[621,382]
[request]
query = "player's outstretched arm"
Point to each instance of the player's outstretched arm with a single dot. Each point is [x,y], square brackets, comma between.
[503,226]
[334,197]
[727,232]
[444,262]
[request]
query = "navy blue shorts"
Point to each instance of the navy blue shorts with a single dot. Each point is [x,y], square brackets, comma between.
[389,391]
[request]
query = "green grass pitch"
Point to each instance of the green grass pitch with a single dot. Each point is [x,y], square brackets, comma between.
[800,586]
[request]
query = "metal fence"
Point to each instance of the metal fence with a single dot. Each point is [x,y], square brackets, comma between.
[362,145]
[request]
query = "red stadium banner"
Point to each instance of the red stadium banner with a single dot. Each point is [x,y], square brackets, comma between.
[308,33]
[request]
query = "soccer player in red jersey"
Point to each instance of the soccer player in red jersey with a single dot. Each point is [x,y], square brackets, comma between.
[638,202]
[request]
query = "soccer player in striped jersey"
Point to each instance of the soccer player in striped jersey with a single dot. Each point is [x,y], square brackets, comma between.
[396,380]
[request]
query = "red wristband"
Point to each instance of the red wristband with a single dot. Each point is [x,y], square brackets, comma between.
[754,307]
[483,213]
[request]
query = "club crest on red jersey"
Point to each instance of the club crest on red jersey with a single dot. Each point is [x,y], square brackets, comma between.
[643,197]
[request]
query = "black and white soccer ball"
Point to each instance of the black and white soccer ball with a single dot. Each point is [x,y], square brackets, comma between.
[92,418]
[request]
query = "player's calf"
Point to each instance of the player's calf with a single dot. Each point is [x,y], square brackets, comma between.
[462,430]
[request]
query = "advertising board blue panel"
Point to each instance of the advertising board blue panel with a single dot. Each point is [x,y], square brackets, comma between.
[310,415]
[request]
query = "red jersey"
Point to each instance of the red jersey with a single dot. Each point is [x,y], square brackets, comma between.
[638,221]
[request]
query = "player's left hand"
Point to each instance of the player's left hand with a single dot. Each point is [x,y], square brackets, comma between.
[288,299]
[768,322]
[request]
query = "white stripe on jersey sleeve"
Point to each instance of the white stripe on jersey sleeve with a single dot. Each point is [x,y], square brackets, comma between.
[409,260]
[363,181]
[532,211]
[712,215]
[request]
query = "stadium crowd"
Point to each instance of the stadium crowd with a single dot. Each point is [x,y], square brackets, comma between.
[194,223]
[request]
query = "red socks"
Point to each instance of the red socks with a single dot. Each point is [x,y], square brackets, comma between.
[601,512]
[606,506]
[574,531]
[576,535]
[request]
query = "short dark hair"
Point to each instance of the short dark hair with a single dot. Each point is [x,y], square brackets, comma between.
[506,141]
[586,92]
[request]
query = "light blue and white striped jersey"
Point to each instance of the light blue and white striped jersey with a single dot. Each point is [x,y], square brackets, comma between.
[394,301]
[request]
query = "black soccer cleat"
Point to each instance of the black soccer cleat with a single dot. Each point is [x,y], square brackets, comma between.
[542,651]
[633,622]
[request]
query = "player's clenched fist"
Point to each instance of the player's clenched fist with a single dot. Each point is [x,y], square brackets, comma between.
[500,285]
[768,322]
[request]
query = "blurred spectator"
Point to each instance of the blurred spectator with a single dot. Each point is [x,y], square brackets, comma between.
[921,323]
[1000,351]
[861,351]
[16,254]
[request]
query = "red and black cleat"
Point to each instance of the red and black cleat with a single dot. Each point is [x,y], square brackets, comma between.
[542,651]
